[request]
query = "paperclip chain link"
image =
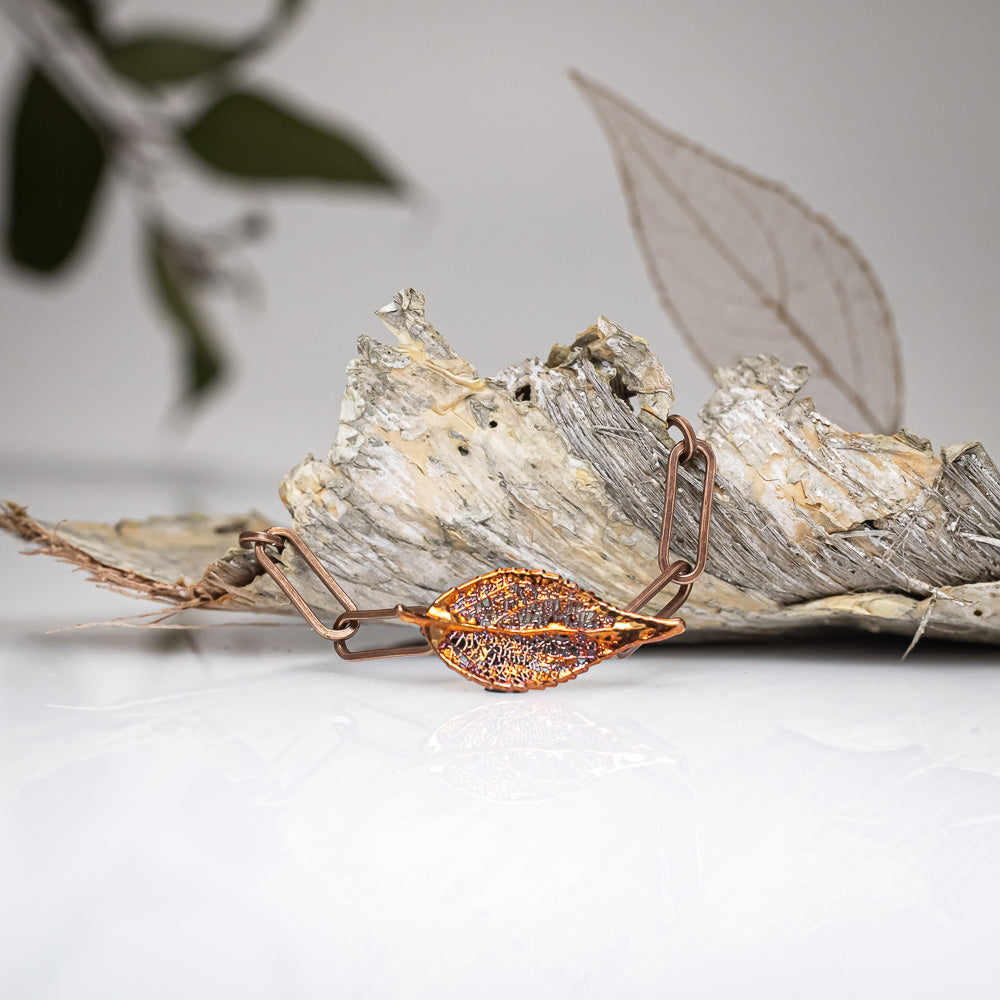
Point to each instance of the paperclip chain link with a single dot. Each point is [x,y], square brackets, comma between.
[679,571]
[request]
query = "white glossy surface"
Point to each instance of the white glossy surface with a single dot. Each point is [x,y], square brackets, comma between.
[881,115]
[233,812]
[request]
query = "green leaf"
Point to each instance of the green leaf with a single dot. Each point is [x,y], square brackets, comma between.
[83,13]
[203,363]
[159,58]
[56,165]
[251,136]
[288,8]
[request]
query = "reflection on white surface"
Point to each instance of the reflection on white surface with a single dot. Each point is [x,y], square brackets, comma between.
[233,812]
[530,751]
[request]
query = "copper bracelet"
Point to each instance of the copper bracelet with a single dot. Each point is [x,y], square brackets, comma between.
[519,629]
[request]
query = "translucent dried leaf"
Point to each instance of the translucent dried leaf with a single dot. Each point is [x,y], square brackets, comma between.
[516,629]
[744,267]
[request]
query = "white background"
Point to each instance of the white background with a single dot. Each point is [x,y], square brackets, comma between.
[881,115]
[233,813]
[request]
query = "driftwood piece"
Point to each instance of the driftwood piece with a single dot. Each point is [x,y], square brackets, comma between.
[438,474]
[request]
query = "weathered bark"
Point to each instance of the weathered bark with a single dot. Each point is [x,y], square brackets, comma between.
[438,475]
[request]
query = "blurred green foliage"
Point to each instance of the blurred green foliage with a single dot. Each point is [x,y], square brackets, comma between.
[154,59]
[253,136]
[58,162]
[64,146]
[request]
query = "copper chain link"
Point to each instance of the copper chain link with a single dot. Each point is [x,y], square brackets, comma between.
[679,572]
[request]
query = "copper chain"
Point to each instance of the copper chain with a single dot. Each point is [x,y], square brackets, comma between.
[679,571]
[350,621]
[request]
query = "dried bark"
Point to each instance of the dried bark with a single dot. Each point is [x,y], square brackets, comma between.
[438,475]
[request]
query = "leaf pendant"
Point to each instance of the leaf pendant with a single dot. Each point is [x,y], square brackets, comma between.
[518,629]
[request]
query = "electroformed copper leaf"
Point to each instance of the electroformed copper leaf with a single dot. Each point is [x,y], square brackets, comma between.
[515,629]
